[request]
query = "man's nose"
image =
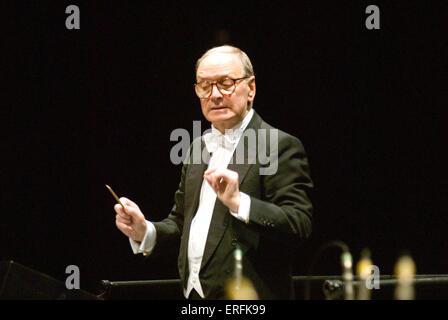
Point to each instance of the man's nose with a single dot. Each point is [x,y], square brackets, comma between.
[215,92]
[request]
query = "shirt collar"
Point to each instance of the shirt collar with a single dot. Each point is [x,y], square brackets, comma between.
[238,129]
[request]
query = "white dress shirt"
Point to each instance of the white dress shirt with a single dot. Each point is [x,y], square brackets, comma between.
[221,155]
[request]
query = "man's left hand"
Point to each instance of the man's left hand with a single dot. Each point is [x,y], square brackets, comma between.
[226,185]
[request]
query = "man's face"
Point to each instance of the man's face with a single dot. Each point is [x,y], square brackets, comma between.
[224,111]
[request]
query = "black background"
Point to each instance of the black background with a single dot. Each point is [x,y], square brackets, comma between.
[87,107]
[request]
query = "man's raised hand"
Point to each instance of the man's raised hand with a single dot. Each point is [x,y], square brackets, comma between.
[226,185]
[130,221]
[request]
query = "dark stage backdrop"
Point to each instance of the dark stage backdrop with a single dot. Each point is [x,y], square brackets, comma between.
[87,107]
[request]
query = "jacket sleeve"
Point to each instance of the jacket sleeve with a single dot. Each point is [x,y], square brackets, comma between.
[284,212]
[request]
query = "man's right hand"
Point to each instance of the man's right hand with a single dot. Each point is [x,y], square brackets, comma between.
[130,221]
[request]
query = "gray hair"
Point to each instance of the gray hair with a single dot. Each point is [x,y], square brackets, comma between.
[245,61]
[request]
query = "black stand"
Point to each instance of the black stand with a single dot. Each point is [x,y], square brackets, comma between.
[427,287]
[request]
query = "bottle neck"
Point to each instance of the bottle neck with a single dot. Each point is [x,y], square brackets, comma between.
[238,264]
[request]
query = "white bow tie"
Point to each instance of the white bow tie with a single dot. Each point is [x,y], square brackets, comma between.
[215,139]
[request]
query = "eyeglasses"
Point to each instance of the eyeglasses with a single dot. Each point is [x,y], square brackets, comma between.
[225,86]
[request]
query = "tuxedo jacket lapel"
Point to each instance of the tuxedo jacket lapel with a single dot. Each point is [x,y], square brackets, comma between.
[249,150]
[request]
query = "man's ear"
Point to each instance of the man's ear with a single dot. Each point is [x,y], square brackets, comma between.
[252,88]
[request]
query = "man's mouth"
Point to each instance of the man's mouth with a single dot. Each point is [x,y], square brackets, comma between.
[218,108]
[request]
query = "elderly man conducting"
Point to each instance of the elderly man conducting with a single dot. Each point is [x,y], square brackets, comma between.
[222,203]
